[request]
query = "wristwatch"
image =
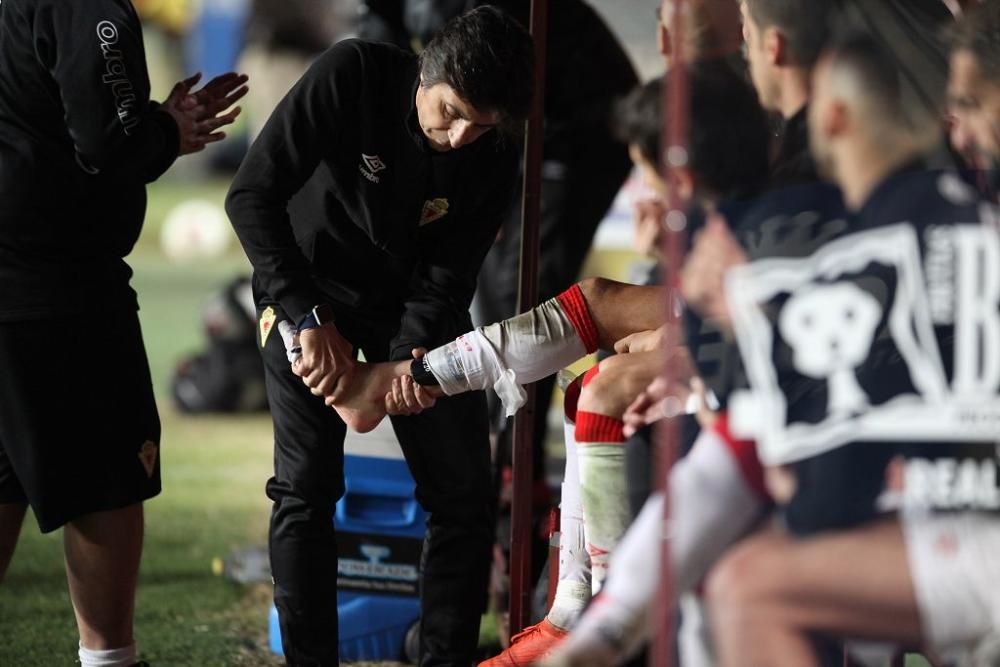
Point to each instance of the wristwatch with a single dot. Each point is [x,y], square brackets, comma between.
[320,314]
[420,370]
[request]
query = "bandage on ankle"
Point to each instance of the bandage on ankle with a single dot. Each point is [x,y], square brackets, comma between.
[517,351]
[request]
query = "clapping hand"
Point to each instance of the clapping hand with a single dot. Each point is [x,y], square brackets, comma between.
[197,113]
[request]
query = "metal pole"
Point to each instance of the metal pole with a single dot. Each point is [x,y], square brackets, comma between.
[676,108]
[522,463]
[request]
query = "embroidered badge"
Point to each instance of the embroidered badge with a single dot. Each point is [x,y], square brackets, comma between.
[434,209]
[147,455]
[266,324]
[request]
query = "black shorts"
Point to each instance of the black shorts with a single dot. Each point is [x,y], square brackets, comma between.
[79,430]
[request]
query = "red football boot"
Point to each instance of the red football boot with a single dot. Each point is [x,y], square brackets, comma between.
[528,646]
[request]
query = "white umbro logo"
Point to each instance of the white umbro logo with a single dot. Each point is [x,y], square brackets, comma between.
[371,165]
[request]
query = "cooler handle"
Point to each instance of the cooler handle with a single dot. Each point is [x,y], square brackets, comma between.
[403,492]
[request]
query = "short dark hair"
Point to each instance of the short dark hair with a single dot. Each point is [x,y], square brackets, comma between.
[488,59]
[877,74]
[805,24]
[979,33]
[727,131]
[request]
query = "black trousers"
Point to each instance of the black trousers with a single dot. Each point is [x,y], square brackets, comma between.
[447,450]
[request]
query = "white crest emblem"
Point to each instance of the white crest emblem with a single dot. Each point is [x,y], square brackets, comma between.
[860,315]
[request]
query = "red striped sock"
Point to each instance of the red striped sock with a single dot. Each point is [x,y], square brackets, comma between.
[575,307]
[592,427]
[745,453]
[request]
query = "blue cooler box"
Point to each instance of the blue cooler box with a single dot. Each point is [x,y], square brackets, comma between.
[380,533]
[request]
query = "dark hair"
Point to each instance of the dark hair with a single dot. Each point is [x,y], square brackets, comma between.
[727,130]
[979,33]
[487,58]
[805,24]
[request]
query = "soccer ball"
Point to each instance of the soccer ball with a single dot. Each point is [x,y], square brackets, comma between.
[195,229]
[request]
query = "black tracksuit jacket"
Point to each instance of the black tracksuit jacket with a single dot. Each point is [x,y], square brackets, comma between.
[79,140]
[341,200]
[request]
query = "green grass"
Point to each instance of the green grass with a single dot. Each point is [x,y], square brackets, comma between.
[213,475]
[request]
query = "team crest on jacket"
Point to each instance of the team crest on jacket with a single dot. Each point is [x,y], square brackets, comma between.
[434,209]
[147,456]
[371,165]
[882,338]
[267,319]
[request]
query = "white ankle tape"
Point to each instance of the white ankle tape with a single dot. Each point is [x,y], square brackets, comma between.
[470,364]
[507,354]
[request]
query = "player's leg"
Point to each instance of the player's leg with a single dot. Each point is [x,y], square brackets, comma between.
[714,502]
[90,465]
[573,590]
[956,576]
[13,505]
[619,309]
[608,389]
[102,552]
[771,591]
[13,501]
[307,482]
[11,519]
[518,350]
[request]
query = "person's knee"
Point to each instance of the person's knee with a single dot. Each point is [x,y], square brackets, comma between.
[613,389]
[594,390]
[742,578]
[465,506]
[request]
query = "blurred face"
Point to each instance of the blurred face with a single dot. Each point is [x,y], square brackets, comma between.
[448,121]
[974,107]
[820,109]
[648,212]
[648,172]
[757,59]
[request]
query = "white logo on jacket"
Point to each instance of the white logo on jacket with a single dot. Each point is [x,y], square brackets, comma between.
[116,77]
[371,165]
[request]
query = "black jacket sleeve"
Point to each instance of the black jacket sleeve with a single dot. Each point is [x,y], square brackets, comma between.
[444,281]
[307,123]
[94,52]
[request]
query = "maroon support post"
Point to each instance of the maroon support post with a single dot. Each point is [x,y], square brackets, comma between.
[676,106]
[520,530]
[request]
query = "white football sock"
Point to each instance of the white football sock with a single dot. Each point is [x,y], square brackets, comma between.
[605,503]
[115,657]
[712,506]
[573,589]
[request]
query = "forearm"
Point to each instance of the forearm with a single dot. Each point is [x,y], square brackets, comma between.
[265,233]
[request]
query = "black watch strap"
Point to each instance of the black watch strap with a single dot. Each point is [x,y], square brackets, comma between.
[421,372]
[320,314]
